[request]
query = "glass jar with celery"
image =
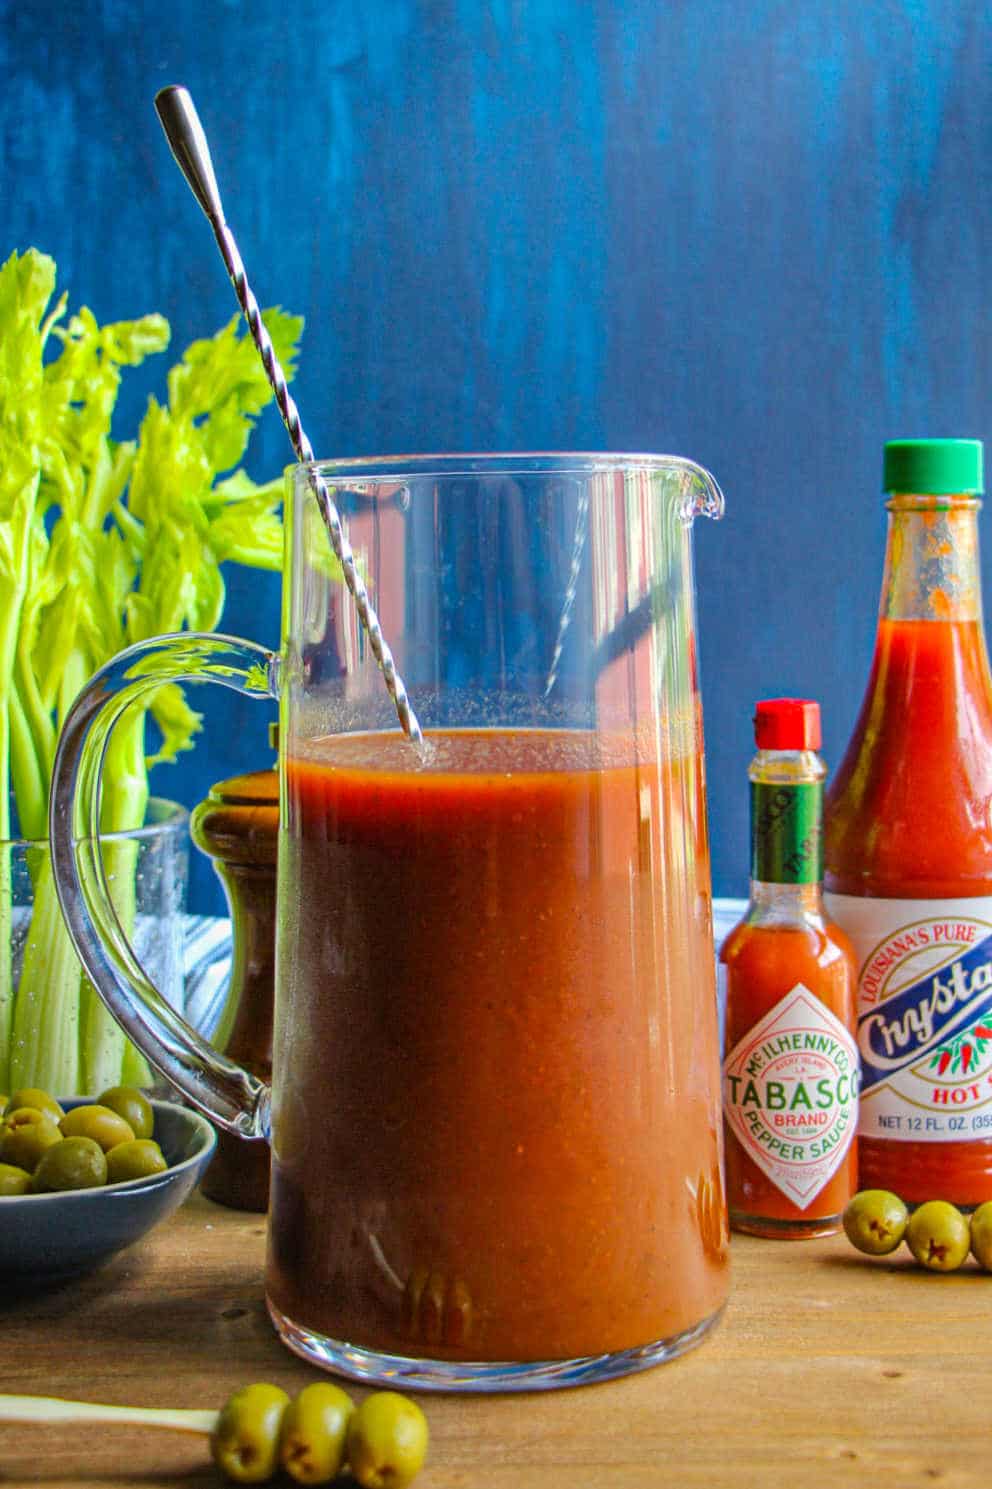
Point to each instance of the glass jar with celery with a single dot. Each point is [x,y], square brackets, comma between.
[103,542]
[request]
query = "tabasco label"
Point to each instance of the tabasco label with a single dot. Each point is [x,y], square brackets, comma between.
[924,1015]
[790,1094]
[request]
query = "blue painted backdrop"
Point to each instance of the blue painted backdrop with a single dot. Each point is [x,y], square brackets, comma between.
[755,233]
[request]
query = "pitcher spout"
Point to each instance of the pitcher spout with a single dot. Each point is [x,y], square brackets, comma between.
[701,495]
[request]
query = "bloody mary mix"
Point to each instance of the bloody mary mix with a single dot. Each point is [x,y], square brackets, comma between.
[498,1129]
[909,844]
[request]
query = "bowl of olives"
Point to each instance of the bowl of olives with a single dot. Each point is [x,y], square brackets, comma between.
[83,1178]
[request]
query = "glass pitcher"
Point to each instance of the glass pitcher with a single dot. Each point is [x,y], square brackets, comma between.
[495,1109]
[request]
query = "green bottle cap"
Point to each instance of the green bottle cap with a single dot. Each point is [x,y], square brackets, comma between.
[938,467]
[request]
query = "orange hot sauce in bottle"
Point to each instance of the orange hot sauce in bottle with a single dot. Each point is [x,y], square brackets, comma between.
[909,842]
[790,1077]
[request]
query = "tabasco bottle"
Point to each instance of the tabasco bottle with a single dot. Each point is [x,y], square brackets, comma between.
[909,842]
[790,1079]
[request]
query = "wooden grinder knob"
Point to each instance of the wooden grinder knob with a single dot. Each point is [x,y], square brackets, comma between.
[237,826]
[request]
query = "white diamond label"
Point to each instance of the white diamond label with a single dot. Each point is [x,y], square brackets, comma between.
[790,1094]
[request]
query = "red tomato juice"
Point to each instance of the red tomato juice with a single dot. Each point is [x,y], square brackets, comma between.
[497,1134]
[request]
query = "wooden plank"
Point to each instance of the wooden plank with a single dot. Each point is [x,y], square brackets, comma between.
[823,1364]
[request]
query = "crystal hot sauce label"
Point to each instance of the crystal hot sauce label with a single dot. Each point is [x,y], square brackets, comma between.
[790,1094]
[924,1015]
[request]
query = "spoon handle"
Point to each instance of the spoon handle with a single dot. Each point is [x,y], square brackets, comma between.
[183,130]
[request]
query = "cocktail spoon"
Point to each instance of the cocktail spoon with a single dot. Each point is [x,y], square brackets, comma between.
[188,143]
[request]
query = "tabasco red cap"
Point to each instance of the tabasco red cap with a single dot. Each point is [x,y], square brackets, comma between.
[787,724]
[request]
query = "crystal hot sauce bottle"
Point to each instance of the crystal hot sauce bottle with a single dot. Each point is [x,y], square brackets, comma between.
[909,842]
[790,1079]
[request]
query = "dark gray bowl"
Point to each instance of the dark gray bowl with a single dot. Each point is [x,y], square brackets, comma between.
[44,1236]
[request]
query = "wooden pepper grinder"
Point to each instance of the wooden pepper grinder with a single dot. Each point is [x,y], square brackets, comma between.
[237,826]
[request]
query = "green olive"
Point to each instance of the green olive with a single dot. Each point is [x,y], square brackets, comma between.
[14,1180]
[131,1104]
[138,1159]
[74,1163]
[981,1235]
[875,1221]
[314,1432]
[938,1236]
[25,1135]
[98,1122]
[245,1440]
[387,1441]
[39,1100]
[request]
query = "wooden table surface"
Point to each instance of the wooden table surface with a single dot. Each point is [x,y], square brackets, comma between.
[825,1367]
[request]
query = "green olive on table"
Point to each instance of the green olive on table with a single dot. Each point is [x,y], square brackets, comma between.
[245,1441]
[314,1433]
[938,1236]
[74,1163]
[875,1221]
[131,1104]
[31,1096]
[99,1123]
[138,1159]
[387,1441]
[14,1180]
[25,1135]
[981,1235]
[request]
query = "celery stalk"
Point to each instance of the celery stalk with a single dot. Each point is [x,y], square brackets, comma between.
[26,287]
[102,544]
[6,960]
[44,1048]
[125,800]
[14,537]
[32,749]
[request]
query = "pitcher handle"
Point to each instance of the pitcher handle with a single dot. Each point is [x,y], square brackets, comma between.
[230,1095]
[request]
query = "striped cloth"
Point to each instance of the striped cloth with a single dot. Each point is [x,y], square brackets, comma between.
[206,969]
